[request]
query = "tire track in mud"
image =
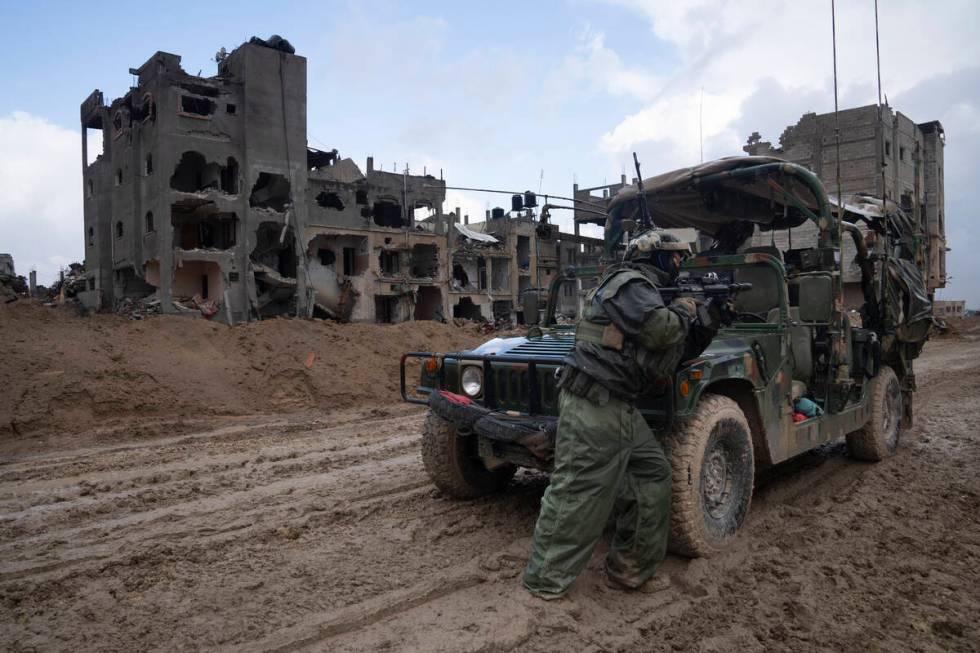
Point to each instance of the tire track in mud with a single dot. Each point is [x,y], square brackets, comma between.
[821,486]
[237,437]
[309,534]
[374,480]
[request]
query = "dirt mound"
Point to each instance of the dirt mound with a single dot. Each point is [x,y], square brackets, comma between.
[959,328]
[62,371]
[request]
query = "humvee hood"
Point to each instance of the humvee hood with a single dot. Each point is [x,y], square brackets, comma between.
[550,345]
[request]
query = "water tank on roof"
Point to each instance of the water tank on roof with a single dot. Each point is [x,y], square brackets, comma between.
[516,202]
[530,199]
[497,213]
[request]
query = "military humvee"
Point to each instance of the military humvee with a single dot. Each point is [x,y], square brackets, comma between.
[733,409]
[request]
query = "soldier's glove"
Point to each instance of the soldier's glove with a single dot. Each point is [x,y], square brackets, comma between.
[688,305]
[722,311]
[703,329]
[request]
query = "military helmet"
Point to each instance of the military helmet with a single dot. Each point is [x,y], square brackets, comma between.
[648,243]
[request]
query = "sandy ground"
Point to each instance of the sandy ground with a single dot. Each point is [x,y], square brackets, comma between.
[317,529]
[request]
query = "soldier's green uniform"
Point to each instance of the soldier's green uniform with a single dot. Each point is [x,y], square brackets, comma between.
[605,454]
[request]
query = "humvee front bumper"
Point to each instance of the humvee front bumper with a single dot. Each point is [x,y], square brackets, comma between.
[525,440]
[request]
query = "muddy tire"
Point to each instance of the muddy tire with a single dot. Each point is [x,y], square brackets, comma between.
[713,475]
[879,438]
[453,465]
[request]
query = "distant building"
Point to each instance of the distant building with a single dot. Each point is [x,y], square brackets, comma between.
[206,192]
[949,308]
[7,265]
[528,252]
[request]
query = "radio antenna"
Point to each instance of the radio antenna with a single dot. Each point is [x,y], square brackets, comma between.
[701,122]
[840,196]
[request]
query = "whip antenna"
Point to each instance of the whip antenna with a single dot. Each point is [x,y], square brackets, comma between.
[878,62]
[701,123]
[840,196]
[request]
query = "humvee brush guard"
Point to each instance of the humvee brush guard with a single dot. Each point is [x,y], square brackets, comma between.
[790,372]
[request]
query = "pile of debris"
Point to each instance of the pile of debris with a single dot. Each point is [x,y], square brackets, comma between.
[140,308]
[137,309]
[196,304]
[11,285]
[71,282]
[484,325]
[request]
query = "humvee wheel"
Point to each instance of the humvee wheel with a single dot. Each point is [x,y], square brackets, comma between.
[879,438]
[713,473]
[453,465]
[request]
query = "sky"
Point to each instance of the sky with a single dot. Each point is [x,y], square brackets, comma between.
[510,95]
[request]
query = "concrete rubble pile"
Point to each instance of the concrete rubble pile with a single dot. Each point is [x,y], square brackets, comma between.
[72,282]
[11,285]
[137,309]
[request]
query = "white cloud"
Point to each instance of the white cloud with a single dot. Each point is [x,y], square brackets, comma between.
[675,119]
[468,204]
[731,49]
[764,64]
[41,220]
[593,67]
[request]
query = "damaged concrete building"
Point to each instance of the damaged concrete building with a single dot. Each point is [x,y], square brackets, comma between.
[496,261]
[206,192]
[206,197]
[889,156]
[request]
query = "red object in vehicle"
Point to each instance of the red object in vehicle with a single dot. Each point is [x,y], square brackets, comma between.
[455,398]
[799,417]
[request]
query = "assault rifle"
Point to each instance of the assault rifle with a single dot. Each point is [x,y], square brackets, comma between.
[709,290]
[646,220]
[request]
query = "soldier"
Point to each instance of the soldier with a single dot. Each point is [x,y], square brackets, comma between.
[606,456]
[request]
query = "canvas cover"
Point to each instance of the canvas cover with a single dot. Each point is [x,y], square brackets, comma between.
[677,200]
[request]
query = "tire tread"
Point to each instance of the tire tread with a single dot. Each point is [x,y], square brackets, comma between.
[444,456]
[868,442]
[685,449]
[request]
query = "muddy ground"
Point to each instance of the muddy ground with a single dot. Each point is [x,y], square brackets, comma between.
[317,529]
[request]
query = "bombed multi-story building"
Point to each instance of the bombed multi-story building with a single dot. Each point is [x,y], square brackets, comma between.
[206,197]
[496,261]
[206,192]
[883,154]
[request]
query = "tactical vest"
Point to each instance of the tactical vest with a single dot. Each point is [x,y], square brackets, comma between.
[611,357]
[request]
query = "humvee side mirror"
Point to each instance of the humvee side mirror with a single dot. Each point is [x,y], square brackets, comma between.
[816,299]
[531,305]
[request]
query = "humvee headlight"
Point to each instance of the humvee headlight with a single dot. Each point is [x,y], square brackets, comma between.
[472,380]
